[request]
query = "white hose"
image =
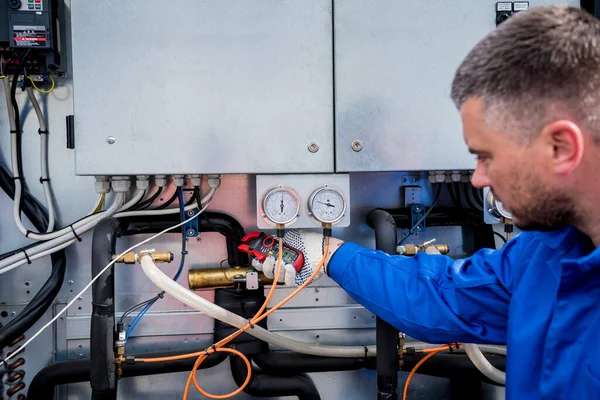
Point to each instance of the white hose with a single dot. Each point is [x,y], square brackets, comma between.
[483,365]
[18,259]
[190,298]
[43,158]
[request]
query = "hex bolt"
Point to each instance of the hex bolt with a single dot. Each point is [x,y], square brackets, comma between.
[313,147]
[110,139]
[357,145]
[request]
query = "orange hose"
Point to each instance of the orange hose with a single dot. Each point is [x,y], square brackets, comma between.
[412,373]
[257,318]
[216,396]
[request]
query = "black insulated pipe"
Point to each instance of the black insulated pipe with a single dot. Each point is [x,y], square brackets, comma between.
[286,363]
[42,386]
[103,378]
[386,239]
[263,385]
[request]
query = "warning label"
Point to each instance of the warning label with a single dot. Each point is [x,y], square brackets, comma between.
[29,36]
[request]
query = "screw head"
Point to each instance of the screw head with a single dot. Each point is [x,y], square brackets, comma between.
[110,139]
[418,209]
[190,213]
[191,232]
[80,356]
[357,145]
[313,147]
[13,313]
[80,298]
[70,282]
[27,283]
[198,239]
[316,290]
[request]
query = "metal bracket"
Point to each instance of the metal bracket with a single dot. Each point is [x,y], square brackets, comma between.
[417,211]
[191,227]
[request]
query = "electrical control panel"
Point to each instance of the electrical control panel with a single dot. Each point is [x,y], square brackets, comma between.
[394,65]
[218,86]
[302,201]
[31,28]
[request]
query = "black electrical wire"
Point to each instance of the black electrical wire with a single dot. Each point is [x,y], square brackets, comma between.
[210,223]
[420,221]
[44,298]
[465,192]
[168,202]
[478,195]
[500,236]
[148,202]
[192,200]
[455,200]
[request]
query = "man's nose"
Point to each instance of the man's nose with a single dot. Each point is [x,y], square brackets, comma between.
[480,178]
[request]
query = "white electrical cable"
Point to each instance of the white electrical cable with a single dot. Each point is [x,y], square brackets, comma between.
[43,158]
[96,204]
[81,227]
[18,259]
[139,194]
[483,365]
[94,279]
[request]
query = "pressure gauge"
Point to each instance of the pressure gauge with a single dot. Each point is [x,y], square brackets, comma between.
[496,208]
[327,205]
[281,206]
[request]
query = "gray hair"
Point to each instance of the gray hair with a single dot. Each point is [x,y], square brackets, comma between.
[541,64]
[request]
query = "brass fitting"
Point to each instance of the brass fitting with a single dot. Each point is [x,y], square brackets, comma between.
[158,257]
[119,360]
[226,277]
[413,249]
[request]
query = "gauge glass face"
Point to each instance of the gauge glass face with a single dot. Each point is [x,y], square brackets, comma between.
[281,206]
[328,205]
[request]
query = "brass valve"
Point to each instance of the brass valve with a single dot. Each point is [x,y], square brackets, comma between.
[158,257]
[227,277]
[413,249]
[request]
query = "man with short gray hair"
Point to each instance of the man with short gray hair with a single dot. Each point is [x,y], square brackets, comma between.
[529,98]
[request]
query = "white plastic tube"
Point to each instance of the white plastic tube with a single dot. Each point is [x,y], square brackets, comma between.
[188,297]
[139,194]
[43,158]
[18,259]
[483,365]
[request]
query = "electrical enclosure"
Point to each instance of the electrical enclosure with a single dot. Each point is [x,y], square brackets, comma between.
[223,86]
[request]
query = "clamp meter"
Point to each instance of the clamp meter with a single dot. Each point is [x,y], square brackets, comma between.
[261,246]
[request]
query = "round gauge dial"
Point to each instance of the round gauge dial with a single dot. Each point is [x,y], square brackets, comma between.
[496,208]
[327,205]
[281,206]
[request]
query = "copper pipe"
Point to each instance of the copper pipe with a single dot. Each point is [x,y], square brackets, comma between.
[17,364]
[211,278]
[17,340]
[17,388]
[16,376]
[413,249]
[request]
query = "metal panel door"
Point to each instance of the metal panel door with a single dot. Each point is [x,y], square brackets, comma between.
[394,64]
[221,86]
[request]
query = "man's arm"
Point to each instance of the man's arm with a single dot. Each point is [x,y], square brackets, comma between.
[431,297]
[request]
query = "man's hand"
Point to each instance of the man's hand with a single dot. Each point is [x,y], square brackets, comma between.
[310,244]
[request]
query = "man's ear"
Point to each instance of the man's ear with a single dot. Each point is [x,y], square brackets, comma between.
[565,146]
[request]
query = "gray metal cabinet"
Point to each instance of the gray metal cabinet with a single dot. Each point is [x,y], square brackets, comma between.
[221,86]
[394,64]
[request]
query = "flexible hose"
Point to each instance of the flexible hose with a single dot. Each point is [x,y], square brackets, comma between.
[483,365]
[193,300]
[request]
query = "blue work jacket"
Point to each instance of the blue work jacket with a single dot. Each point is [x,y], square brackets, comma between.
[539,295]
